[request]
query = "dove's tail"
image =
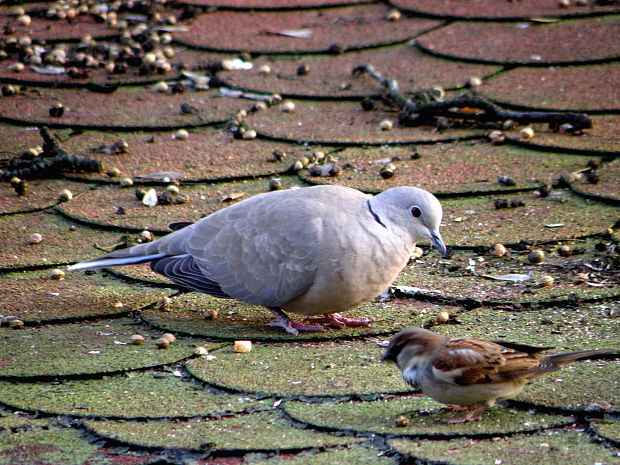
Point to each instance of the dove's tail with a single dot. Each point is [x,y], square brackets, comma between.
[109,260]
[569,357]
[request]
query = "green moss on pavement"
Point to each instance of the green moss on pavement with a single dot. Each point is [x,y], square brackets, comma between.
[301,369]
[266,431]
[151,394]
[236,320]
[423,415]
[82,349]
[546,448]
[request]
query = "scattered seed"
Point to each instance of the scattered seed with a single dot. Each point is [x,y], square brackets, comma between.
[200,351]
[242,346]
[386,125]
[136,339]
[57,274]
[442,317]
[497,250]
[35,238]
[536,256]
[210,314]
[16,324]
[402,421]
[162,343]
[65,195]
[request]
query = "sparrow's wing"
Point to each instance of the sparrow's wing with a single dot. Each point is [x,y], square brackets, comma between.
[477,361]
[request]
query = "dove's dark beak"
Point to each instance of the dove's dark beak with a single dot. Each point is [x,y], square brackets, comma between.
[438,242]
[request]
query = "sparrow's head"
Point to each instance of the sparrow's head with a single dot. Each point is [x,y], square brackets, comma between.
[412,344]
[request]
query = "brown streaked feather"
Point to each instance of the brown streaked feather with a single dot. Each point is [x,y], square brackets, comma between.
[487,362]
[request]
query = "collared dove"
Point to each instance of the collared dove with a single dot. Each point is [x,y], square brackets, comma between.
[313,251]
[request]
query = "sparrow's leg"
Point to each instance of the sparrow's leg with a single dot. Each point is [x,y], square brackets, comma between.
[469,416]
[283,321]
[339,321]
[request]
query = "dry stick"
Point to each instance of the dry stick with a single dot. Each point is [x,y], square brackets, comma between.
[50,163]
[416,114]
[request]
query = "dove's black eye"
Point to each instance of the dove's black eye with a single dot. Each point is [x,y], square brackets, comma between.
[415,211]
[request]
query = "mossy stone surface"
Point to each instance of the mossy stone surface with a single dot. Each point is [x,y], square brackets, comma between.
[43,193]
[203,200]
[476,221]
[350,28]
[467,276]
[82,349]
[63,241]
[547,448]
[523,9]
[423,414]
[150,394]
[357,455]
[55,446]
[344,123]
[608,428]
[78,295]
[461,167]
[263,431]
[564,328]
[544,88]
[124,108]
[236,320]
[506,42]
[207,154]
[331,76]
[324,369]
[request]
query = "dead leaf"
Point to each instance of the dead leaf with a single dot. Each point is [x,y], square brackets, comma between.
[233,196]
[515,278]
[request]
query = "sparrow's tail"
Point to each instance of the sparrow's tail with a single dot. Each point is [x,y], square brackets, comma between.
[569,357]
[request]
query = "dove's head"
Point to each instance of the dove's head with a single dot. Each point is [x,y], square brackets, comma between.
[413,211]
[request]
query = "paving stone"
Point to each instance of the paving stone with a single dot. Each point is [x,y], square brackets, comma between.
[125,108]
[424,415]
[44,29]
[204,199]
[471,276]
[356,455]
[59,237]
[99,77]
[322,369]
[608,428]
[329,76]
[206,155]
[270,4]
[66,446]
[83,349]
[150,394]
[546,448]
[564,328]
[332,30]
[10,422]
[456,168]
[17,139]
[510,10]
[609,185]
[482,224]
[525,43]
[77,296]
[236,320]
[345,123]
[602,139]
[43,194]
[263,431]
[573,88]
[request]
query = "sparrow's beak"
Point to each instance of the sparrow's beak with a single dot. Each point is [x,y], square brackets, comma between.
[438,242]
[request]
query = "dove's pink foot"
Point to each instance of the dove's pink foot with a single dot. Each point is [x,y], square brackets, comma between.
[339,321]
[291,327]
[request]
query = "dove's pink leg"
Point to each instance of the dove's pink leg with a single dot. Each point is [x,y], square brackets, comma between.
[339,321]
[291,327]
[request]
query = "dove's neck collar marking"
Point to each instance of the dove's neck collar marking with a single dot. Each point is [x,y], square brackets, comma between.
[374,215]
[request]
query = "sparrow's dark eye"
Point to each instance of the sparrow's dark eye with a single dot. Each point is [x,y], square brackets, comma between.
[415,211]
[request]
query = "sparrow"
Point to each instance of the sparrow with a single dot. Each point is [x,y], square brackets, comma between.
[471,372]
